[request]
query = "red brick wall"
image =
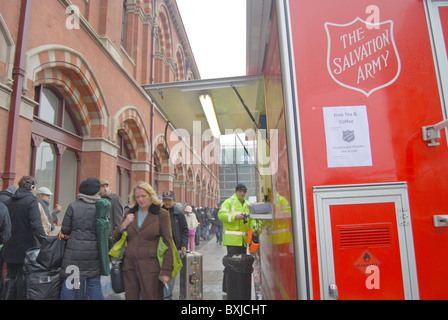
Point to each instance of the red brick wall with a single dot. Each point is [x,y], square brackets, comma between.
[110,84]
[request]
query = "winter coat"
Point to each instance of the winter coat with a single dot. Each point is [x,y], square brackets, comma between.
[192,222]
[140,257]
[82,246]
[5,225]
[179,227]
[26,226]
[5,196]
[215,218]
[45,215]
[116,212]
[235,231]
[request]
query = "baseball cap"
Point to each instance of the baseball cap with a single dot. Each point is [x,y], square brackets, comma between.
[241,186]
[169,194]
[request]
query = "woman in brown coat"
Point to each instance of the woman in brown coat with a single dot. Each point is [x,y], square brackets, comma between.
[141,267]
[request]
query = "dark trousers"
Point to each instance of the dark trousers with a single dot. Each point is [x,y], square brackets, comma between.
[14,288]
[231,251]
[1,275]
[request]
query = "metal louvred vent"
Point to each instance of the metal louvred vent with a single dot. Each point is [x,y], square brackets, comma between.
[365,235]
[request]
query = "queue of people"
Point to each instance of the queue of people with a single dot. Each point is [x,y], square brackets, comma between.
[26,218]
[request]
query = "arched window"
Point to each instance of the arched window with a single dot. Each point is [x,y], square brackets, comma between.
[54,109]
[56,146]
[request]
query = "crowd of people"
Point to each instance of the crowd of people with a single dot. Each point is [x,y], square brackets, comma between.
[26,218]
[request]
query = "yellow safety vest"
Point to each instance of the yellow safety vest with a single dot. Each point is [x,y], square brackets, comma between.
[235,231]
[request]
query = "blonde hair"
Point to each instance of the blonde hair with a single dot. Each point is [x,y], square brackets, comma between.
[144,186]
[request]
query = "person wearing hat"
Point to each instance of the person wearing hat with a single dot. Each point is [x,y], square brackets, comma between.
[7,193]
[116,211]
[192,223]
[43,195]
[234,213]
[82,251]
[180,232]
[26,232]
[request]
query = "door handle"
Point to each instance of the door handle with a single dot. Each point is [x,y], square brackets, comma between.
[333,289]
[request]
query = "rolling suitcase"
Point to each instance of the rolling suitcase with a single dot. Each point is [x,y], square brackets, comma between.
[191,284]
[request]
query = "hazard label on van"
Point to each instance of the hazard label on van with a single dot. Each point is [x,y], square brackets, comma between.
[362,56]
[366,259]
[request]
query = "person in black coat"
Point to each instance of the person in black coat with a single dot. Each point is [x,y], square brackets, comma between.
[218,225]
[81,268]
[26,233]
[5,234]
[6,194]
[5,227]
[180,233]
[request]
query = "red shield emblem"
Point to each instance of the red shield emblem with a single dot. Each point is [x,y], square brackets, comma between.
[362,56]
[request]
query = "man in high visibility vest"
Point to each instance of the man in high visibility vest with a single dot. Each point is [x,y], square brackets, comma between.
[234,213]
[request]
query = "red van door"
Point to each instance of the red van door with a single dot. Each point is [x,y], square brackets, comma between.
[365,235]
[365,242]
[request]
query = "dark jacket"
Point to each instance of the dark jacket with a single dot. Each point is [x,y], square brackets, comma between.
[5,196]
[26,226]
[215,218]
[82,247]
[179,227]
[116,212]
[5,225]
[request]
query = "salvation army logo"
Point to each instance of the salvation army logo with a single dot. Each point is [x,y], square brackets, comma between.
[348,135]
[362,56]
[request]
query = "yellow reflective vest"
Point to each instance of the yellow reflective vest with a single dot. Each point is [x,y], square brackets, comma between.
[235,231]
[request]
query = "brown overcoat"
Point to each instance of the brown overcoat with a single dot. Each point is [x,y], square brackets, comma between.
[141,267]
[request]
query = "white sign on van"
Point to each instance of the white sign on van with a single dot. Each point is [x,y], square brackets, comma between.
[347,136]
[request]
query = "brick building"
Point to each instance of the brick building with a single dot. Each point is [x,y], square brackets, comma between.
[71,101]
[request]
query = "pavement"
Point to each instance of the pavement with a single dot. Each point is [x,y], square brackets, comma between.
[212,270]
[212,274]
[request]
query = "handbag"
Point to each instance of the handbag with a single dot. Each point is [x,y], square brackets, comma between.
[161,249]
[52,251]
[116,271]
[116,249]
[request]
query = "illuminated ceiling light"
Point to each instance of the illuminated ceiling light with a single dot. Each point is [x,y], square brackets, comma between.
[209,110]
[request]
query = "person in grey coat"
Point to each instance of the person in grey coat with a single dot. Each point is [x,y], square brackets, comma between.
[80,268]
